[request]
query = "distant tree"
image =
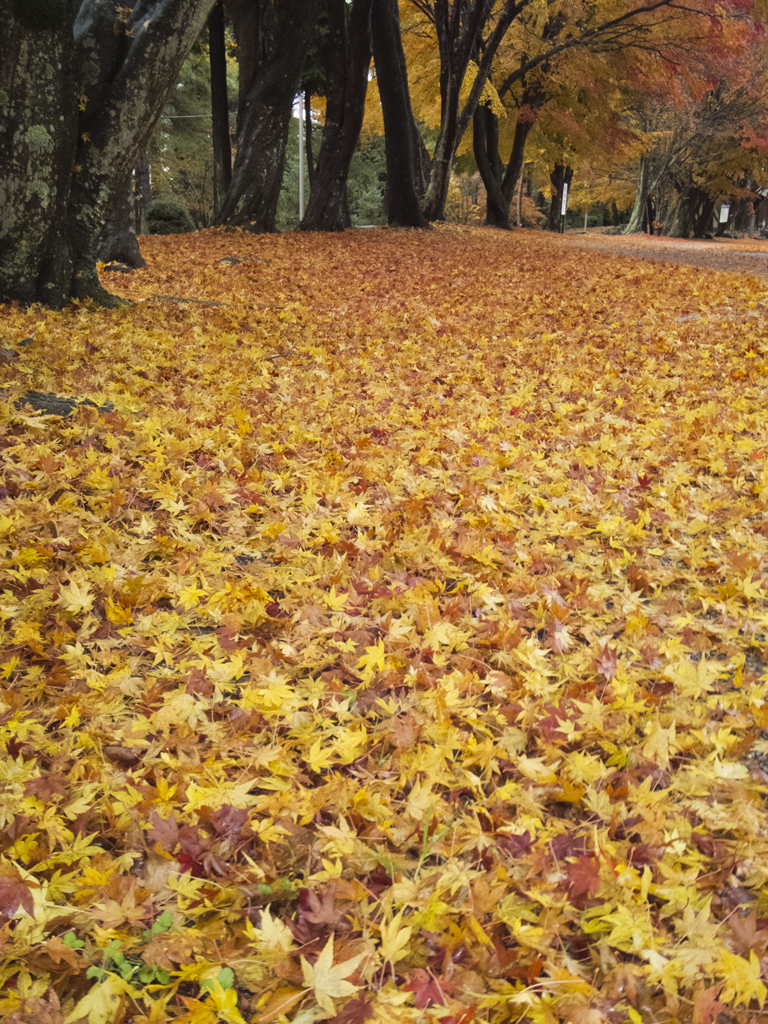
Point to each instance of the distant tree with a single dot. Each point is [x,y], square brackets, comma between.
[222,147]
[401,136]
[365,182]
[467,32]
[273,38]
[346,56]
[703,149]
[181,152]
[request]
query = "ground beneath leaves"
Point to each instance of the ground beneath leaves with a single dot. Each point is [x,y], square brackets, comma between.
[394,649]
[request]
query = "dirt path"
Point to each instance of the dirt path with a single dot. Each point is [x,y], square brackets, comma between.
[741,256]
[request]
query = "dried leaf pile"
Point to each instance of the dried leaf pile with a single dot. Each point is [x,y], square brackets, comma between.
[392,647]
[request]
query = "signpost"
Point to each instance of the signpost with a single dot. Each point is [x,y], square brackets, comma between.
[563,207]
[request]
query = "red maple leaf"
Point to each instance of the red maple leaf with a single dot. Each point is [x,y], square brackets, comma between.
[584,876]
[707,1006]
[356,1011]
[163,831]
[14,893]
[427,989]
[607,662]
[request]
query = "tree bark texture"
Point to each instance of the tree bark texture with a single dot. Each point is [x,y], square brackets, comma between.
[485,145]
[401,137]
[641,197]
[142,192]
[273,38]
[500,181]
[222,149]
[125,70]
[117,240]
[347,58]
[38,132]
[80,101]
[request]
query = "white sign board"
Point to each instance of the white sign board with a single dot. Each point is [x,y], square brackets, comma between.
[724,211]
[565,198]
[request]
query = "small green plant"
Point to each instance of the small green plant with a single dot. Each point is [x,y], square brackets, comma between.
[164,923]
[130,967]
[225,978]
[267,890]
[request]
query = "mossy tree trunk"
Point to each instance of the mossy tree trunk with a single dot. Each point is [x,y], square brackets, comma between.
[80,93]
[38,133]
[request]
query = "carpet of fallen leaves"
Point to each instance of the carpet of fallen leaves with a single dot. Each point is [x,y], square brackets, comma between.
[386,640]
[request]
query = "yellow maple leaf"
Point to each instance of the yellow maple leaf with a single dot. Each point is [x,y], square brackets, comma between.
[445,634]
[100,1004]
[272,936]
[76,598]
[190,595]
[318,757]
[374,659]
[741,978]
[327,981]
[197,1012]
[335,601]
[394,938]
[225,1001]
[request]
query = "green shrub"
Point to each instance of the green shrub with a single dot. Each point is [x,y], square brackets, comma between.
[164,217]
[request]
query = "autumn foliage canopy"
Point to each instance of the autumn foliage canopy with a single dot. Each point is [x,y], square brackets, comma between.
[383,638]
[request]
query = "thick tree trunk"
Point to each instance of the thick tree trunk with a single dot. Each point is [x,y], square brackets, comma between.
[125,75]
[649,215]
[62,172]
[516,158]
[500,182]
[118,242]
[561,175]
[347,53]
[699,210]
[38,131]
[273,39]
[222,149]
[641,197]
[485,144]
[401,137]
[445,148]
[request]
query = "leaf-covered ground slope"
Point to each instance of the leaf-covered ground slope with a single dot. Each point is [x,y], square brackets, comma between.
[393,649]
